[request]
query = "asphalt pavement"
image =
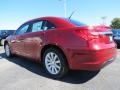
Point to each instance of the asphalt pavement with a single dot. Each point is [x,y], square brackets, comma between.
[21,74]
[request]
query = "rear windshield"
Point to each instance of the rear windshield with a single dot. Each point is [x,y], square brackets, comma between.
[75,22]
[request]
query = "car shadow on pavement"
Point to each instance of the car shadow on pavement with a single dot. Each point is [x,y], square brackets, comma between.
[73,77]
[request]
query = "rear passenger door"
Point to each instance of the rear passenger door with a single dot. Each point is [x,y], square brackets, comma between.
[34,40]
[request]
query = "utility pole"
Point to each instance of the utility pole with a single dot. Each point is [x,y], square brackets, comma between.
[103,20]
[65,7]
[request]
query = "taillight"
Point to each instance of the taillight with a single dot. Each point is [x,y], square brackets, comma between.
[106,38]
[85,34]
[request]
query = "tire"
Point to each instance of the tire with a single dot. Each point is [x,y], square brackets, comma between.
[55,63]
[2,42]
[7,50]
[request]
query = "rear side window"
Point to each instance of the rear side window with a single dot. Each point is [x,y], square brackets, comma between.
[37,26]
[48,25]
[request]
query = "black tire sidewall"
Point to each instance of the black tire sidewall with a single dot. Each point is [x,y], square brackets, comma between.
[0,43]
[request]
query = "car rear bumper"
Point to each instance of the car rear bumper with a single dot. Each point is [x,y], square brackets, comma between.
[91,59]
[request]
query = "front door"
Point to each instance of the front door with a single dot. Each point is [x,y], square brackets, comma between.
[18,40]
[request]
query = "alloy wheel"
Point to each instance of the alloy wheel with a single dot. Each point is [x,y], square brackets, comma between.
[7,50]
[52,63]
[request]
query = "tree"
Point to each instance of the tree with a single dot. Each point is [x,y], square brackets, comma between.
[115,23]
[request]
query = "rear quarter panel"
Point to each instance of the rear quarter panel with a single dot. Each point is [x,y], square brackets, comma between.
[65,39]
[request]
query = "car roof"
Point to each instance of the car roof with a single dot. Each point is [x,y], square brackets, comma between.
[57,21]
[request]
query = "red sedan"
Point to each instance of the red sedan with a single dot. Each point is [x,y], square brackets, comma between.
[62,44]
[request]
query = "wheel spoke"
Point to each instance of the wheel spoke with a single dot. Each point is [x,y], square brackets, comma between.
[58,61]
[48,58]
[55,70]
[52,70]
[50,67]
[55,57]
[57,66]
[51,56]
[49,64]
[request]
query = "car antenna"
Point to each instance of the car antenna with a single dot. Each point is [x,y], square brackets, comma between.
[71,14]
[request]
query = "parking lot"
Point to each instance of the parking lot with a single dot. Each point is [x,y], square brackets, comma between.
[21,74]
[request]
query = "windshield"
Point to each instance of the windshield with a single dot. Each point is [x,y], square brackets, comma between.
[75,22]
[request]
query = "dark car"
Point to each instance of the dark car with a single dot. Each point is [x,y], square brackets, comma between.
[4,34]
[116,36]
[62,44]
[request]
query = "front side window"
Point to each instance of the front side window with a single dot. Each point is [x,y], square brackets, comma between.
[37,26]
[22,30]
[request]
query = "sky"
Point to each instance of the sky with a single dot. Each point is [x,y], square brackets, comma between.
[13,13]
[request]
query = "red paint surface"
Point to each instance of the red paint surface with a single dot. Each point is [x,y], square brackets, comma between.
[83,49]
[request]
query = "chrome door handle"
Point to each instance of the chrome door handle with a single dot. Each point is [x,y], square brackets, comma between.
[13,41]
